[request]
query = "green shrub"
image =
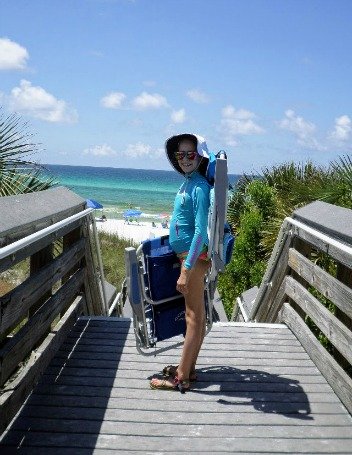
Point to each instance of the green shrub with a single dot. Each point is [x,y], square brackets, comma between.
[250,206]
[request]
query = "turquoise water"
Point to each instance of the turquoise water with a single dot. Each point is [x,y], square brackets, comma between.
[151,191]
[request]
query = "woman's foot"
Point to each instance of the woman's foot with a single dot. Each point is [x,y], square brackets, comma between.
[171,371]
[170,384]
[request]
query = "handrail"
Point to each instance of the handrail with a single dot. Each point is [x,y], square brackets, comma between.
[285,230]
[12,248]
[29,239]
[324,237]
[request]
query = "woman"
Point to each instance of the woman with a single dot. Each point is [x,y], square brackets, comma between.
[188,154]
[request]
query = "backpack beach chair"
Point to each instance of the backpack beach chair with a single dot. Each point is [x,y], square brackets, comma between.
[152,271]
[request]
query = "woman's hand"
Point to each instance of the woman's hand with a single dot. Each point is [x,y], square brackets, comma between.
[182,282]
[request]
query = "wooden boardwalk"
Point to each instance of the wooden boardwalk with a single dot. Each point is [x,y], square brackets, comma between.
[258,392]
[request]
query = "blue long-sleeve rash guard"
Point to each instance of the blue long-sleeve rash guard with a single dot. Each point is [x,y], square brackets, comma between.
[188,226]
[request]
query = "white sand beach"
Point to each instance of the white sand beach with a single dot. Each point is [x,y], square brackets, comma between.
[132,231]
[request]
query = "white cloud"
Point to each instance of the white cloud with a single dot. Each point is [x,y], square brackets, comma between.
[12,55]
[100,150]
[113,100]
[137,150]
[198,96]
[38,103]
[236,123]
[342,130]
[178,116]
[301,129]
[140,150]
[149,101]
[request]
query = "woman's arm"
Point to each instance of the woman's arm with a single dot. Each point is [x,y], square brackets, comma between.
[200,238]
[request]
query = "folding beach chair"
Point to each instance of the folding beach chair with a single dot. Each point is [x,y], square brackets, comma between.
[152,271]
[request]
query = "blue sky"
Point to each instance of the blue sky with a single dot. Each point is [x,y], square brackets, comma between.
[105,82]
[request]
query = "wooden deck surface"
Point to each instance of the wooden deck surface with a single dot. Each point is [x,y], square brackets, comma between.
[258,392]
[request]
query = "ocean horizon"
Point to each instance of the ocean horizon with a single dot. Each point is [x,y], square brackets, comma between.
[117,189]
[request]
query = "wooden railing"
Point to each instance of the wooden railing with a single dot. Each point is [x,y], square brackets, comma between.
[47,236]
[308,286]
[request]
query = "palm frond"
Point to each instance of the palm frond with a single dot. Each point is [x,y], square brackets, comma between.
[18,174]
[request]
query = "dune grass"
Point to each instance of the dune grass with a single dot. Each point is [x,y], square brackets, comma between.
[112,251]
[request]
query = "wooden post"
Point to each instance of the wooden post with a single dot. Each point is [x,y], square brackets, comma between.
[343,274]
[68,240]
[37,261]
[91,283]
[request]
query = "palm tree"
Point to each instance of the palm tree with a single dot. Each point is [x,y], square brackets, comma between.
[299,184]
[18,174]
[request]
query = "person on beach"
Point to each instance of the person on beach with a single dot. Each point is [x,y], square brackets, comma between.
[188,154]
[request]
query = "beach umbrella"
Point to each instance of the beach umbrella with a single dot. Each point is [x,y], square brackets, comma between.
[132,213]
[92,204]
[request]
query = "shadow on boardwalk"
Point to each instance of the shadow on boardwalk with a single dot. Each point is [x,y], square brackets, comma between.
[265,392]
[72,395]
[289,400]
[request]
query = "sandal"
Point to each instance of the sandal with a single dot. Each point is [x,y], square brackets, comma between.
[171,371]
[176,384]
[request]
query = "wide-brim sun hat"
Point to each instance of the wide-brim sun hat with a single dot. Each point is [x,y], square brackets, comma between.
[171,146]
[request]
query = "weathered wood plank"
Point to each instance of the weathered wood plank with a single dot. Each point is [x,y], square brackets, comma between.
[137,404]
[218,327]
[333,251]
[15,304]
[165,430]
[339,335]
[24,214]
[91,282]
[97,451]
[243,404]
[222,376]
[68,242]
[106,390]
[15,394]
[277,302]
[206,360]
[276,280]
[153,415]
[99,351]
[76,377]
[240,353]
[330,219]
[340,382]
[38,261]
[21,344]
[193,444]
[216,342]
[262,401]
[330,287]
[222,332]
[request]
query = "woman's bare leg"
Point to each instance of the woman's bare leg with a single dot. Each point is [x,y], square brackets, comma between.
[195,320]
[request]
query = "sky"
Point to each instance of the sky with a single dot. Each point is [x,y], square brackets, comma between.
[106,82]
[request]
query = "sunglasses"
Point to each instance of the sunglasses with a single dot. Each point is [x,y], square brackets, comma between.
[191,154]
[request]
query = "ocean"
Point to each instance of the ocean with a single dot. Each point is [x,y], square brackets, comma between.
[150,191]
